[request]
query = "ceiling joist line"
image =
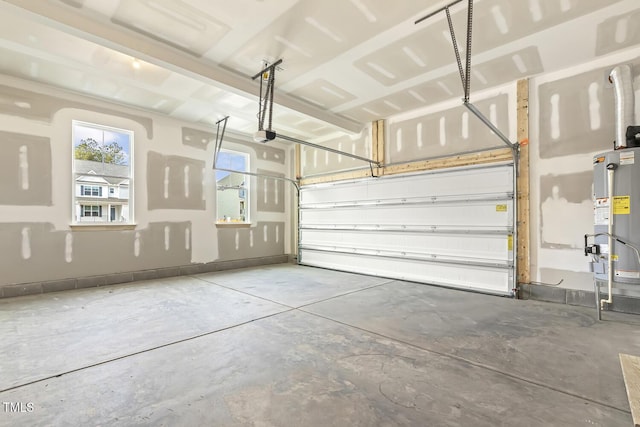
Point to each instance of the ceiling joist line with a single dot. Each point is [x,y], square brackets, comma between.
[465,72]
[265,108]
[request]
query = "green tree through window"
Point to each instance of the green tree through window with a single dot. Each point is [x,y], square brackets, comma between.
[90,149]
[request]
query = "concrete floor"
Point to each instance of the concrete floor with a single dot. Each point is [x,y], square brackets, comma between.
[287,345]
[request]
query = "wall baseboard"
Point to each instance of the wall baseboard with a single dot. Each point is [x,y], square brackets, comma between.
[34,288]
[621,303]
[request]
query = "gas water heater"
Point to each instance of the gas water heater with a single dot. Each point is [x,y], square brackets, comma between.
[616,198]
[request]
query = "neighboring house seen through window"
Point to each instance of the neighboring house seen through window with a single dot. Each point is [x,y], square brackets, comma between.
[232,193]
[102,174]
[91,210]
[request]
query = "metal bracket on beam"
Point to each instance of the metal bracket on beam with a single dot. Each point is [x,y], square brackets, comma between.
[488,123]
[268,68]
[435,12]
[219,138]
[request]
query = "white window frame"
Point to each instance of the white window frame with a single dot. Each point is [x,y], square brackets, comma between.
[77,204]
[246,190]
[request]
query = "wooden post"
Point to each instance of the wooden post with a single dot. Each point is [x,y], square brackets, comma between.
[377,145]
[523,221]
[298,160]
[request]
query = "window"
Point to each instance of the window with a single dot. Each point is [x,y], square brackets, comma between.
[102,161]
[232,188]
[92,211]
[90,190]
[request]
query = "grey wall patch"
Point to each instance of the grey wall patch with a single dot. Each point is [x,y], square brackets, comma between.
[197,138]
[577,115]
[263,151]
[270,192]
[324,93]
[174,182]
[507,68]
[447,132]
[25,170]
[618,32]
[265,239]
[566,209]
[430,45]
[316,161]
[271,154]
[33,252]
[32,105]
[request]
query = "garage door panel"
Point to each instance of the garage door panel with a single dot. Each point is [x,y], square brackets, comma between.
[489,247]
[488,214]
[452,228]
[489,280]
[486,181]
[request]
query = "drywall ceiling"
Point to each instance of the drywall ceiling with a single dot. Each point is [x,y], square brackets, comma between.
[345,62]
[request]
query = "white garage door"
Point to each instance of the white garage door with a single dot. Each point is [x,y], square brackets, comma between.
[451,228]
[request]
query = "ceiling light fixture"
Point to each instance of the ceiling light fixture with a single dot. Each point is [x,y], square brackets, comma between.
[135,64]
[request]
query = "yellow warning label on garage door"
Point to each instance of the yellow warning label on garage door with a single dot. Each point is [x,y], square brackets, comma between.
[621,205]
[501,208]
[510,242]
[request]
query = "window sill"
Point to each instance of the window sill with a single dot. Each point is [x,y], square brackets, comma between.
[233,224]
[102,227]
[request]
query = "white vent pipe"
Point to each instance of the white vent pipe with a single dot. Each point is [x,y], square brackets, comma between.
[622,81]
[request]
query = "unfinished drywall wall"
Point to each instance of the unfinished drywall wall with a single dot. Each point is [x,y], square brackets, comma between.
[63,254]
[618,32]
[271,192]
[565,197]
[577,113]
[571,119]
[315,161]
[495,72]
[19,102]
[197,138]
[174,182]
[265,239]
[173,185]
[447,132]
[495,24]
[25,170]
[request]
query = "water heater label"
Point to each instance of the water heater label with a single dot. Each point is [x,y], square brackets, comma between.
[601,211]
[627,158]
[621,205]
[627,274]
